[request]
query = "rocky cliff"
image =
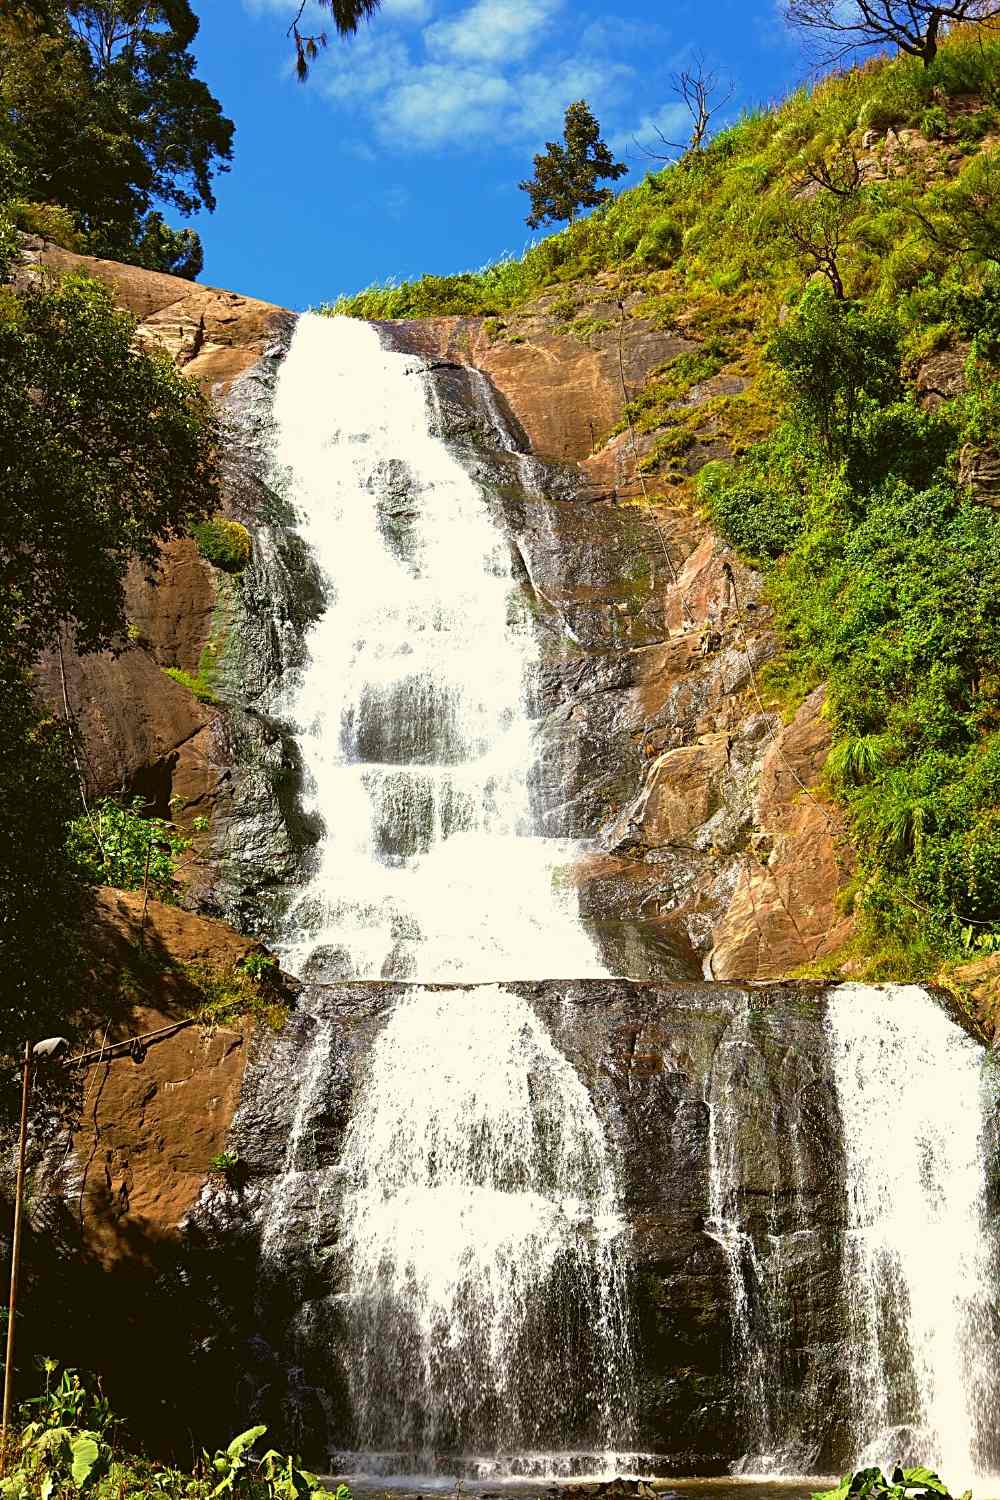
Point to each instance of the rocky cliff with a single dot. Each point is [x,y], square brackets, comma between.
[712,852]
[714,848]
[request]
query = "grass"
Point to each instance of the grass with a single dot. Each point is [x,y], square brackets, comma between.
[843,487]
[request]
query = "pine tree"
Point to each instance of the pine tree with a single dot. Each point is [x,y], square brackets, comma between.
[566,175]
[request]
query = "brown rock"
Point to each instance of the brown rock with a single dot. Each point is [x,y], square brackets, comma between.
[942,375]
[153,1123]
[979,472]
[172,608]
[214,335]
[565,393]
[783,912]
[134,720]
[981,980]
[684,789]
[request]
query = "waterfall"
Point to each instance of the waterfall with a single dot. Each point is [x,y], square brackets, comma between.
[411,710]
[919,1263]
[482,1260]
[758,1150]
[484,1253]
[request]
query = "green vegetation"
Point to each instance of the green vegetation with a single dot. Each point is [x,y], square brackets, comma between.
[115,845]
[823,266]
[905,1484]
[106,451]
[101,115]
[200,685]
[224,543]
[567,175]
[252,987]
[69,1444]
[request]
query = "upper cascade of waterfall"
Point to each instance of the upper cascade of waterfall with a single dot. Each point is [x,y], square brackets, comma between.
[411,710]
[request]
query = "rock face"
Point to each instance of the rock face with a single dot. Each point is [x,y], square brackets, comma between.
[713,850]
[246,1271]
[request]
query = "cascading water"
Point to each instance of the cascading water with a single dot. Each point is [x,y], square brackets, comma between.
[411,709]
[919,1262]
[766,1237]
[482,1255]
[485,1256]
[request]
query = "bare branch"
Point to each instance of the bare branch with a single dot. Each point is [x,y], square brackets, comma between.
[845,27]
[698,89]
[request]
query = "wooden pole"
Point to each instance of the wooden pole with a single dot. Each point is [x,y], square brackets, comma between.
[15,1258]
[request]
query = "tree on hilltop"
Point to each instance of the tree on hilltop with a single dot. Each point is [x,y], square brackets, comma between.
[914,26]
[566,175]
[101,113]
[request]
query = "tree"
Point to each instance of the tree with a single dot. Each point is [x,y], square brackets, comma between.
[914,26]
[102,112]
[347,16]
[700,91]
[566,176]
[104,450]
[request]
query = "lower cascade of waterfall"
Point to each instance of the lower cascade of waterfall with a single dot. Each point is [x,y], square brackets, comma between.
[486,1299]
[920,1269]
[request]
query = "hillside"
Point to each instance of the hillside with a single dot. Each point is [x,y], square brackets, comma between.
[831,266]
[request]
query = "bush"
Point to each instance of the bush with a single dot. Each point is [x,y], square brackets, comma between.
[661,243]
[224,543]
[115,845]
[934,123]
[905,1484]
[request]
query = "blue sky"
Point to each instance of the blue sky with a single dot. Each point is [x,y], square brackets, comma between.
[403,152]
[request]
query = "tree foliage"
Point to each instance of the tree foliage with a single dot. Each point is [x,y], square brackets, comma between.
[105,451]
[914,26]
[102,113]
[567,175]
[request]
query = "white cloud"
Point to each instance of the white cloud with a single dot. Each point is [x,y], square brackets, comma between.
[492,31]
[544,93]
[366,69]
[408,11]
[440,105]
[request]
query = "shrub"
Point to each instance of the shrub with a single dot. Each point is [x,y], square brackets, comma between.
[661,243]
[934,123]
[116,845]
[224,543]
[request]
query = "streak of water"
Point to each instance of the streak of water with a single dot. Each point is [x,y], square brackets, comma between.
[484,1250]
[919,1262]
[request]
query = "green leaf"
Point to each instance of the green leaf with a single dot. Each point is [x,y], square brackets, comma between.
[924,1479]
[246,1440]
[86,1459]
[48,1485]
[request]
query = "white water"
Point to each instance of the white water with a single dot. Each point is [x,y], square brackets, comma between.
[485,1254]
[411,709]
[918,1256]
[479,1236]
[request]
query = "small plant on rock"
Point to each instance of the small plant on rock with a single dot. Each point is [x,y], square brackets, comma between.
[224,543]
